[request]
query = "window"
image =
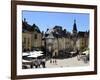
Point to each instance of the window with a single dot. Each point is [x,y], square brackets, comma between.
[24,40]
[35,36]
[28,41]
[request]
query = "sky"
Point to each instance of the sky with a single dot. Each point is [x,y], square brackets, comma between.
[46,20]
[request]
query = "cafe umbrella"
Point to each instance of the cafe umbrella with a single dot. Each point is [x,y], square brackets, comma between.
[35,55]
[25,54]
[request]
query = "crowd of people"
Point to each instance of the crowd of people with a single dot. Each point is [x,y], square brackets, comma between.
[38,63]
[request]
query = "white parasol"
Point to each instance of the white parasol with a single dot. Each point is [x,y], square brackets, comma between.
[25,61]
[35,55]
[25,54]
[72,52]
[39,52]
[36,52]
[86,52]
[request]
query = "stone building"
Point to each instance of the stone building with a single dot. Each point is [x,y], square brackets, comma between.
[31,37]
[63,41]
[54,41]
[74,35]
[82,40]
[26,41]
[60,40]
[36,39]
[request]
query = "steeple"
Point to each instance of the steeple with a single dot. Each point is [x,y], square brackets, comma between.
[74,27]
[24,19]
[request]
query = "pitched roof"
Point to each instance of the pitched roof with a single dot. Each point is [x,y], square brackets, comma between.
[83,34]
[27,27]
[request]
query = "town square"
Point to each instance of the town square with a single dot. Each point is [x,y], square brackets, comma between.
[54,46]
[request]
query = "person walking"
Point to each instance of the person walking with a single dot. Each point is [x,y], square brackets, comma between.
[78,55]
[36,63]
[43,63]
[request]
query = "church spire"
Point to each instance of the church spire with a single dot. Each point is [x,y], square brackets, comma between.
[74,27]
[74,21]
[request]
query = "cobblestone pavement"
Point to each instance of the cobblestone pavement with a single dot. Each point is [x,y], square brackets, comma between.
[70,62]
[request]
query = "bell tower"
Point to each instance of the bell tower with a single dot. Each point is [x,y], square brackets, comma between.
[74,27]
[74,35]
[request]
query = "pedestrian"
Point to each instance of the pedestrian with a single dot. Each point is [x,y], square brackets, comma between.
[40,62]
[78,55]
[55,61]
[36,63]
[50,60]
[43,63]
[32,64]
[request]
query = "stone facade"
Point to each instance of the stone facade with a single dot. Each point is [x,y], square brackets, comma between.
[55,41]
[64,41]
[26,41]
[36,39]
[31,37]
[83,41]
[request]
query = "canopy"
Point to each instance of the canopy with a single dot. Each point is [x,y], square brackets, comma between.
[25,61]
[25,54]
[35,54]
[40,52]
[86,52]
[73,52]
